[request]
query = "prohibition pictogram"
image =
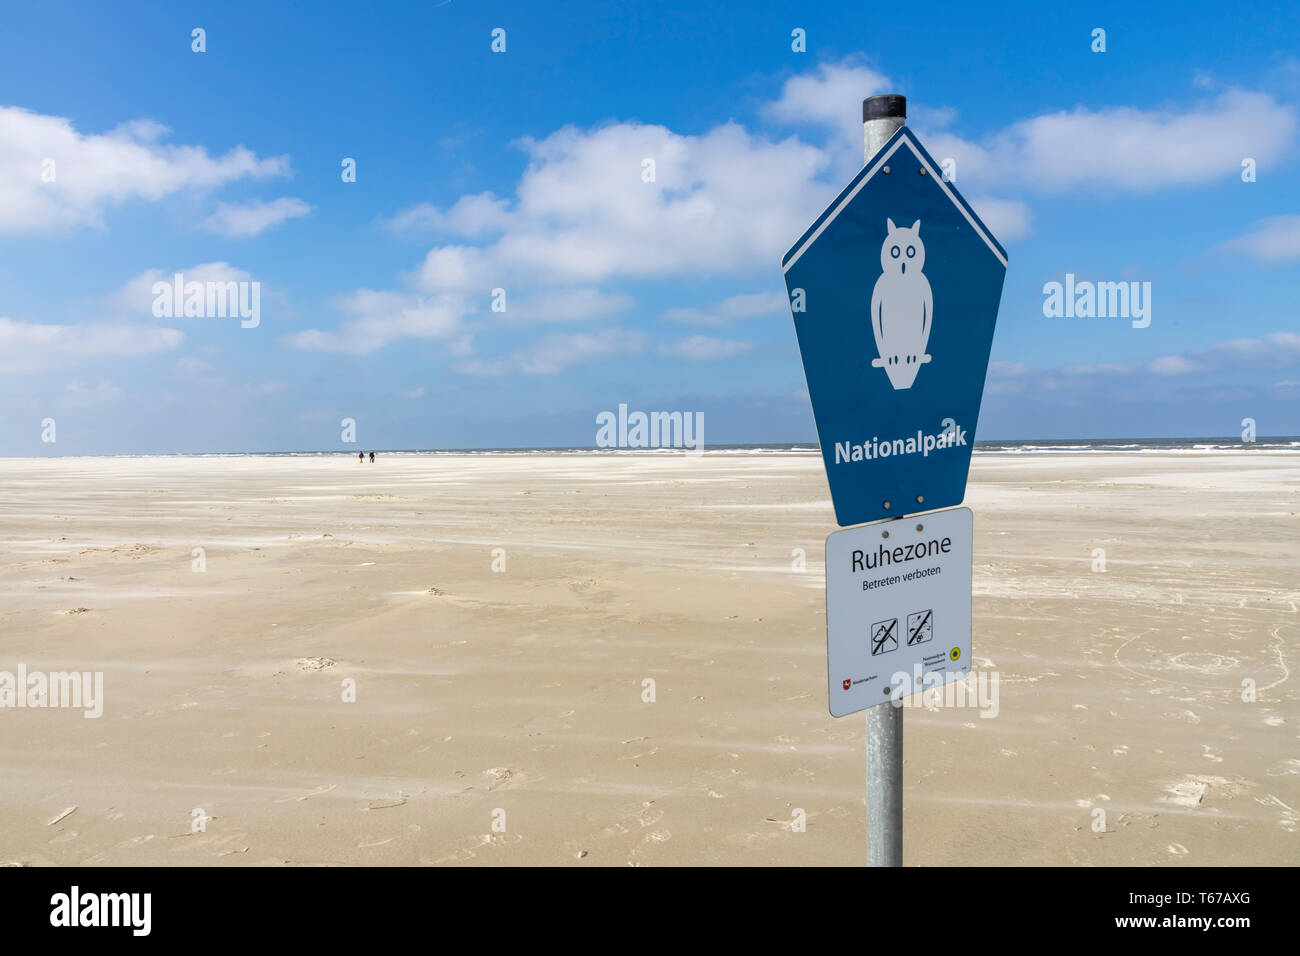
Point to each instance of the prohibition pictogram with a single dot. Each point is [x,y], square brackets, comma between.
[884,636]
[920,627]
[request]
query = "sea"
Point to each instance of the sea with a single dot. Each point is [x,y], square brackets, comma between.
[1071,446]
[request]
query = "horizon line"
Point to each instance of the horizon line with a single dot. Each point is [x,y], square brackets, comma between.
[787,446]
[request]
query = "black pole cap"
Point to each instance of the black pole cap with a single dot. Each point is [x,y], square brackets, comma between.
[884,106]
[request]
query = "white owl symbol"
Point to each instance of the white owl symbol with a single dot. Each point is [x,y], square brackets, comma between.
[902,306]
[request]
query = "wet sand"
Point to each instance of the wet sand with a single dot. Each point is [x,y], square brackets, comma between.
[515,697]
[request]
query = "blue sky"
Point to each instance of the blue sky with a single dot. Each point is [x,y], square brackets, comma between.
[522,171]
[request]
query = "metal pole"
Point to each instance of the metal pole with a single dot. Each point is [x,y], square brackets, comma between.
[885,785]
[881,118]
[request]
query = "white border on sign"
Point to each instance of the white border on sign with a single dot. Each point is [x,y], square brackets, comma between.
[878,161]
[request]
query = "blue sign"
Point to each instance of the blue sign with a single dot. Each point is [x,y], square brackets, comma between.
[895,291]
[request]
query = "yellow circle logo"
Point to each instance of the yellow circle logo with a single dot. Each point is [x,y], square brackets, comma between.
[954,653]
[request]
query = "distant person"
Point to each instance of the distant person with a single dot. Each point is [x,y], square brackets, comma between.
[372,458]
[361,456]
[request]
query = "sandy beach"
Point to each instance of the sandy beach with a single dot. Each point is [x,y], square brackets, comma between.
[499,617]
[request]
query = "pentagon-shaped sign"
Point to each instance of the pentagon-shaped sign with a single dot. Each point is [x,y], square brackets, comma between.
[895,291]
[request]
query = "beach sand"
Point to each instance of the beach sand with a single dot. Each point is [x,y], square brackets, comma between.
[515,696]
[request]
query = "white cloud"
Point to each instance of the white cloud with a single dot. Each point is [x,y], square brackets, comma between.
[199,374]
[30,346]
[249,219]
[1121,146]
[1174,365]
[259,389]
[485,367]
[747,305]
[1007,378]
[126,327]
[1124,147]
[471,216]
[1272,241]
[77,395]
[825,96]
[380,318]
[1101,368]
[417,392]
[832,98]
[727,202]
[1116,147]
[135,298]
[723,202]
[93,172]
[1009,219]
[565,305]
[554,353]
[1275,345]
[1275,350]
[190,366]
[702,348]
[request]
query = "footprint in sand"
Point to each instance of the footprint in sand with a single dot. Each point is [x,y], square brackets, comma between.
[1192,790]
[753,841]
[1186,793]
[1088,804]
[136,841]
[458,856]
[467,852]
[322,789]
[500,776]
[1203,662]
[387,803]
[1288,820]
[633,817]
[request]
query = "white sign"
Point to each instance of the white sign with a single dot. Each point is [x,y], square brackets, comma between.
[898,608]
